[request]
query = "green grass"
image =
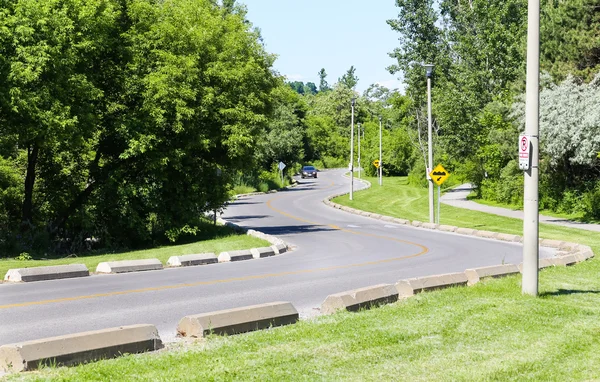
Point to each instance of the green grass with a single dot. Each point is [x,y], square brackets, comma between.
[398,199]
[224,240]
[571,216]
[482,333]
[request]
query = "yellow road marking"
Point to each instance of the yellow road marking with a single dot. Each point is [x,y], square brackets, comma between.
[233,279]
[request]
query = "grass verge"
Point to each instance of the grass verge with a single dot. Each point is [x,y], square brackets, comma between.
[218,240]
[486,332]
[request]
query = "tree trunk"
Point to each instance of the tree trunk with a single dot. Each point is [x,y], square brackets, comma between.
[32,157]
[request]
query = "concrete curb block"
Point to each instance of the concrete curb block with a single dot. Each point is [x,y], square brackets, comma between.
[191,260]
[356,299]
[54,272]
[125,266]
[508,237]
[244,254]
[259,253]
[412,286]
[429,226]
[476,274]
[447,228]
[79,348]
[486,234]
[239,320]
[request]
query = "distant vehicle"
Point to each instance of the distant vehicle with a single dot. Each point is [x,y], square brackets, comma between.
[308,172]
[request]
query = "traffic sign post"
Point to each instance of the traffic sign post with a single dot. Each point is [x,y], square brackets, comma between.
[438,176]
[281,166]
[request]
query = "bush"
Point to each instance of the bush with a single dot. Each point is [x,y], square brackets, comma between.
[591,202]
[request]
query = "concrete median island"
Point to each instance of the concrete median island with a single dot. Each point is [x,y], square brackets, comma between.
[190,260]
[46,273]
[79,348]
[238,320]
[362,298]
[125,266]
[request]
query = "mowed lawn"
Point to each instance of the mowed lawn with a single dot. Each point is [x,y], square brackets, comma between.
[225,240]
[486,332]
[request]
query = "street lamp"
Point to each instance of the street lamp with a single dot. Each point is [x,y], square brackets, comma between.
[352,152]
[531,227]
[380,169]
[429,69]
[359,150]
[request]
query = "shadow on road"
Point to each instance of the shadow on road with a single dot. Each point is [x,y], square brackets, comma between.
[294,229]
[235,219]
[237,203]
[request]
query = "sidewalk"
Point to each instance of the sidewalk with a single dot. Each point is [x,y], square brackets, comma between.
[457,197]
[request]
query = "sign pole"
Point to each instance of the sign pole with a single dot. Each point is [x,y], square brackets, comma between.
[380,169]
[532,114]
[352,152]
[438,205]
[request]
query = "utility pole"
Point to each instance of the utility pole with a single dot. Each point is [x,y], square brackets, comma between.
[532,115]
[352,152]
[429,69]
[380,169]
[359,150]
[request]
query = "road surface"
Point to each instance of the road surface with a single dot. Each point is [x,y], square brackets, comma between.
[333,251]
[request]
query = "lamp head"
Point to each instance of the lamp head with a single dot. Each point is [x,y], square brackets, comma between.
[353,100]
[429,69]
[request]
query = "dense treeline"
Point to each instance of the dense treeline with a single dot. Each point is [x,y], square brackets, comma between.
[124,121]
[478,47]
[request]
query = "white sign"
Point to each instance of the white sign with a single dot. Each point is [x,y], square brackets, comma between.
[524,145]
[281,166]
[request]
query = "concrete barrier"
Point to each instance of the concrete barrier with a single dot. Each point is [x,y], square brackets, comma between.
[416,223]
[508,237]
[401,221]
[239,320]
[412,286]
[429,225]
[258,253]
[54,272]
[447,228]
[244,254]
[486,234]
[551,243]
[129,266]
[466,231]
[476,274]
[566,260]
[356,299]
[190,260]
[281,248]
[79,348]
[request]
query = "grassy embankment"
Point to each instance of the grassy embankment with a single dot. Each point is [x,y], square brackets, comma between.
[213,239]
[485,332]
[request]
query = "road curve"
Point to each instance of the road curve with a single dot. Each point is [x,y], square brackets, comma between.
[332,251]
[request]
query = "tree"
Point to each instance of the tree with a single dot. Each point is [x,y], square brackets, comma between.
[310,88]
[349,79]
[323,86]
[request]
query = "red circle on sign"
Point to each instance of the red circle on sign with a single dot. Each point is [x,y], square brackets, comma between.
[524,144]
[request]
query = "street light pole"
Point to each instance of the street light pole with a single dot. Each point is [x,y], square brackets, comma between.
[530,199]
[359,150]
[429,68]
[352,153]
[380,159]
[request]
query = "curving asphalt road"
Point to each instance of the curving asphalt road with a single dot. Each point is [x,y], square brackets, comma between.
[333,251]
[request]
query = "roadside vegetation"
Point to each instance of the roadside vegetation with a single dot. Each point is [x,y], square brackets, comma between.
[486,332]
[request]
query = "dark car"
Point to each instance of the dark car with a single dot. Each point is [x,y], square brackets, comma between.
[308,172]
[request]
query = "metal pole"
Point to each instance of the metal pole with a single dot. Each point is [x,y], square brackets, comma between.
[380,159]
[352,154]
[429,145]
[438,205]
[530,200]
[359,150]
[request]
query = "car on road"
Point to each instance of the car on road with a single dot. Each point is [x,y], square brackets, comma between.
[308,172]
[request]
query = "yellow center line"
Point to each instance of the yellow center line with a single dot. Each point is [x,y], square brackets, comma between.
[234,279]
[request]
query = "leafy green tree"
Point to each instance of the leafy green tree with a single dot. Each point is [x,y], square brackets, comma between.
[349,79]
[323,85]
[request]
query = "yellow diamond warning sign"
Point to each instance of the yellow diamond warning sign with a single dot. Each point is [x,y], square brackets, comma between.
[376,163]
[439,175]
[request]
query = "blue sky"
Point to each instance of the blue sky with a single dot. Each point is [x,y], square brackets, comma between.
[308,35]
